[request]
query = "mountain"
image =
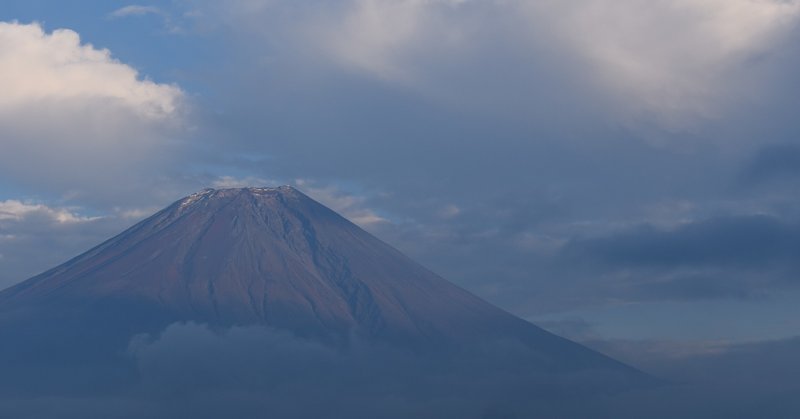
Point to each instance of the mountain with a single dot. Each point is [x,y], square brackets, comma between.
[262,257]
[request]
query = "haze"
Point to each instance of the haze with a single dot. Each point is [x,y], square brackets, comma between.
[622,173]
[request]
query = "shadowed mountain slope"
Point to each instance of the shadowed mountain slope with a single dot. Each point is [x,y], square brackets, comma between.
[262,256]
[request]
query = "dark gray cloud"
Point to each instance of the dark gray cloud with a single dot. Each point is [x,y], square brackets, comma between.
[716,379]
[722,257]
[774,163]
[748,242]
[706,378]
[191,370]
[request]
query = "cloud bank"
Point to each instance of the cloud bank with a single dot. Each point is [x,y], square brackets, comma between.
[671,63]
[35,236]
[192,370]
[72,117]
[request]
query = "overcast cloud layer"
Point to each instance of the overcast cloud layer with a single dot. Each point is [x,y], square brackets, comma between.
[558,159]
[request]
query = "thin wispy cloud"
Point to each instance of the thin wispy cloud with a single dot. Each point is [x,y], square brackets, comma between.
[135,10]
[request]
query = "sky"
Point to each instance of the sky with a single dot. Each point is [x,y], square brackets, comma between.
[621,172]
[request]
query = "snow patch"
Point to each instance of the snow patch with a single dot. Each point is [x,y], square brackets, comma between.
[195,197]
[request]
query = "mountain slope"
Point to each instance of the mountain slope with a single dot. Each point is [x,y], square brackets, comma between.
[271,257]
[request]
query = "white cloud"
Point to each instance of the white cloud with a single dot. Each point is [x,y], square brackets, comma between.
[670,60]
[348,205]
[449,211]
[668,56]
[14,210]
[380,37]
[72,116]
[37,67]
[135,10]
[135,213]
[139,11]
[234,182]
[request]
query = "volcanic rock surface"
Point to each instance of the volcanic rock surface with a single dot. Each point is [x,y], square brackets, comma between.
[259,256]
